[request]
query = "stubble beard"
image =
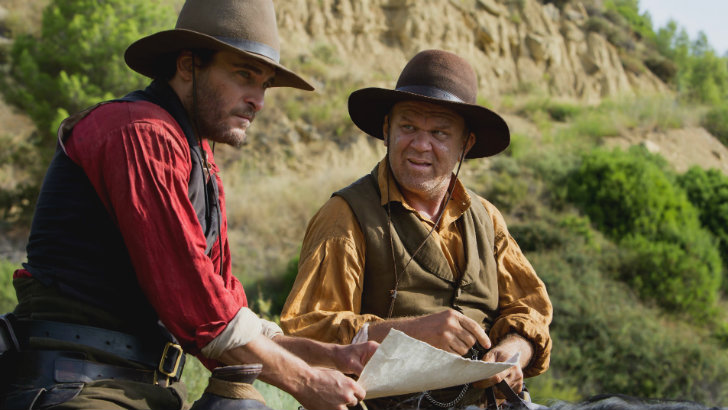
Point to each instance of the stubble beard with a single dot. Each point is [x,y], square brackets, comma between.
[211,118]
[432,187]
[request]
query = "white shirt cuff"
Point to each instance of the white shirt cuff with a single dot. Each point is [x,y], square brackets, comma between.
[362,335]
[243,328]
[270,329]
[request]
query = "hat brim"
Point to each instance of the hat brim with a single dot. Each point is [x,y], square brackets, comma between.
[369,106]
[148,54]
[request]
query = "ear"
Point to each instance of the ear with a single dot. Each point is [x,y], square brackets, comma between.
[385,130]
[185,60]
[470,142]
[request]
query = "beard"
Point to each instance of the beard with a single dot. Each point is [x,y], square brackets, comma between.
[211,117]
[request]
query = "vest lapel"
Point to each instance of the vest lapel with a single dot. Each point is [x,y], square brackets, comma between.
[412,232]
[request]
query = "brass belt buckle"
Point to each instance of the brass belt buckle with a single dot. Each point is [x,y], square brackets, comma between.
[164,366]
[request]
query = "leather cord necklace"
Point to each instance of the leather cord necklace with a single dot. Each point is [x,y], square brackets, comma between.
[393,292]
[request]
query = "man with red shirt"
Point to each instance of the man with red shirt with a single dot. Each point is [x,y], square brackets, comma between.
[128,257]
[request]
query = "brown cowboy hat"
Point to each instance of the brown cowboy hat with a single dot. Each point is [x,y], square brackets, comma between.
[246,27]
[439,77]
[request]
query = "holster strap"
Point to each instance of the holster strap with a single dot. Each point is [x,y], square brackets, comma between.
[233,390]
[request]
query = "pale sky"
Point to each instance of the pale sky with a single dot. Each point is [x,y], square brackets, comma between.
[710,16]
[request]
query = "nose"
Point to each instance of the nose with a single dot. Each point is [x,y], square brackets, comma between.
[255,98]
[421,141]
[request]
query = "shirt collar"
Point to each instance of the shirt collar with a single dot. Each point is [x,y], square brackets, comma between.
[459,203]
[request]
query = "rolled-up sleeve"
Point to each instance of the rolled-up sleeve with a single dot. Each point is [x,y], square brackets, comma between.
[325,302]
[524,304]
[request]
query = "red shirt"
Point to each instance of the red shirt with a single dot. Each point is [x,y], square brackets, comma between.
[138,160]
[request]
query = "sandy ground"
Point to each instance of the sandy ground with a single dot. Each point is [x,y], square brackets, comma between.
[683,148]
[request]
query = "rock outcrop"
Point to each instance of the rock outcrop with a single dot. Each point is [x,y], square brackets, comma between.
[513,44]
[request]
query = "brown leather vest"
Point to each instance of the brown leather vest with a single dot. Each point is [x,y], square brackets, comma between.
[428,285]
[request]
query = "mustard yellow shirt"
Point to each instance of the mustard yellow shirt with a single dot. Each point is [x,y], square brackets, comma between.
[325,302]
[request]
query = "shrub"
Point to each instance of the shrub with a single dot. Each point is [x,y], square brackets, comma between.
[623,192]
[632,198]
[606,340]
[682,274]
[708,192]
[78,60]
[716,122]
[599,25]
[665,69]
[268,295]
[7,292]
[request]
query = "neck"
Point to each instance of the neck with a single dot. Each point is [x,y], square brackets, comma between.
[430,205]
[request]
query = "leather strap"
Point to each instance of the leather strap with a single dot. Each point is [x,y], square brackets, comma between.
[83,371]
[513,399]
[120,344]
[233,390]
[42,368]
[168,359]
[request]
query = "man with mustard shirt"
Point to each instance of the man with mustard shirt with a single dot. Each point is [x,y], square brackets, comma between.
[409,247]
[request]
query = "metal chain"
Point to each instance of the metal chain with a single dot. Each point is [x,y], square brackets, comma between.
[451,402]
[456,400]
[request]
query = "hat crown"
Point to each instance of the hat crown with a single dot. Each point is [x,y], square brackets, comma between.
[440,70]
[232,21]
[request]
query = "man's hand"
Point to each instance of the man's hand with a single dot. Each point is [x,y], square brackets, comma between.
[328,389]
[351,359]
[448,330]
[504,350]
[313,387]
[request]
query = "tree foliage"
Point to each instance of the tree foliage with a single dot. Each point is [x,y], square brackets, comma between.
[701,74]
[78,59]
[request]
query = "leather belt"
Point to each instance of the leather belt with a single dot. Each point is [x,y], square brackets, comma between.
[120,344]
[47,367]
[166,359]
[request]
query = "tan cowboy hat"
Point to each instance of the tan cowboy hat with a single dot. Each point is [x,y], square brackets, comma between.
[247,27]
[439,77]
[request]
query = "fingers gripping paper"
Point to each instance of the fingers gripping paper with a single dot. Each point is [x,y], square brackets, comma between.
[404,365]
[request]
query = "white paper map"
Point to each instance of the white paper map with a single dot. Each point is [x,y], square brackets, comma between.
[404,365]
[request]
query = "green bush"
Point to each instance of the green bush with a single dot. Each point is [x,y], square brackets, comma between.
[708,192]
[268,295]
[606,341]
[625,192]
[640,24]
[7,292]
[682,274]
[665,69]
[78,59]
[632,198]
[716,122]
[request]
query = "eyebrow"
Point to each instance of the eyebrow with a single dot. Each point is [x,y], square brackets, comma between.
[255,69]
[250,67]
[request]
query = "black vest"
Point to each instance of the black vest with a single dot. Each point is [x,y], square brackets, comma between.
[74,244]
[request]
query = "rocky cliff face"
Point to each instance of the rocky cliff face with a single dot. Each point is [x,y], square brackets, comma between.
[512,44]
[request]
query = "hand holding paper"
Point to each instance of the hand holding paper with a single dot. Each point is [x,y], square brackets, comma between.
[404,365]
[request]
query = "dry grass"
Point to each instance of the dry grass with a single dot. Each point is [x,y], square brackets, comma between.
[24,16]
[269,206]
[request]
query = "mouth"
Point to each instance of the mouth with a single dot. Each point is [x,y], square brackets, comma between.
[244,119]
[419,164]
